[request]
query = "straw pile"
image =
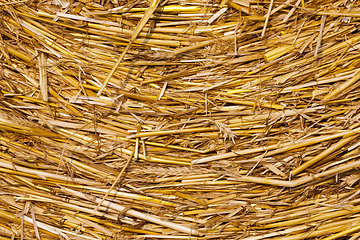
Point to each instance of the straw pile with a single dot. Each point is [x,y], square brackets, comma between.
[199,119]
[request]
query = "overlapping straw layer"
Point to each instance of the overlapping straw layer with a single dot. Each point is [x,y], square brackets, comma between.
[196,119]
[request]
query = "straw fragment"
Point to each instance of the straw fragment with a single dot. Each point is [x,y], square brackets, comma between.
[135,34]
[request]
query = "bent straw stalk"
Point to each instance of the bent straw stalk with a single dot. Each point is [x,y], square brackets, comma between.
[146,217]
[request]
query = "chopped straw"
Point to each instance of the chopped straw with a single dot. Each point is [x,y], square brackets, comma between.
[221,119]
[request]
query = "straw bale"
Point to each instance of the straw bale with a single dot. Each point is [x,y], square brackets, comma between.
[203,119]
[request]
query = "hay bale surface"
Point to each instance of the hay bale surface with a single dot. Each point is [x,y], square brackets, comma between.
[171,119]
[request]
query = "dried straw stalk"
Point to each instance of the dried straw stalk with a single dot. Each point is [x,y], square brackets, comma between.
[179,120]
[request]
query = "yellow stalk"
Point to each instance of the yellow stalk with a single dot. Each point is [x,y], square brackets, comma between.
[135,34]
[168,132]
[134,213]
[43,78]
[188,197]
[337,92]
[344,233]
[278,52]
[19,54]
[323,154]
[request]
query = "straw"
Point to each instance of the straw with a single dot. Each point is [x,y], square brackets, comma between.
[179,120]
[135,34]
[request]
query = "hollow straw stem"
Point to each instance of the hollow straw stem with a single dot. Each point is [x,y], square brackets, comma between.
[170,132]
[323,154]
[267,18]
[137,31]
[43,77]
[322,216]
[320,37]
[344,233]
[51,155]
[302,180]
[337,92]
[277,148]
[134,213]
[117,179]
[40,174]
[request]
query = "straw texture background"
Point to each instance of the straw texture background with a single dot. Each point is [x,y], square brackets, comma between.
[180,119]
